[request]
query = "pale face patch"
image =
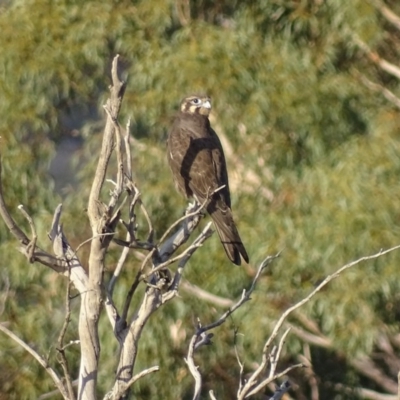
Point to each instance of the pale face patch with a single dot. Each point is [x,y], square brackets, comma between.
[197,105]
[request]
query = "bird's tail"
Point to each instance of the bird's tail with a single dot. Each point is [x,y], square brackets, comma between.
[228,234]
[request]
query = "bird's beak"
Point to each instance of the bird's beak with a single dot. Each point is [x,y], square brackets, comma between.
[207,104]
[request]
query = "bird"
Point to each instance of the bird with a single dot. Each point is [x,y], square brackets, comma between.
[198,166]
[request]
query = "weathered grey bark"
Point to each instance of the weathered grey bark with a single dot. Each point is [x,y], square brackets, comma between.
[94,293]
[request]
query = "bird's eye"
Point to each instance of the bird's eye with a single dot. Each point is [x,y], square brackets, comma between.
[196,101]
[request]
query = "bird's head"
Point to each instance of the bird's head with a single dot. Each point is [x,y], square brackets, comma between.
[196,104]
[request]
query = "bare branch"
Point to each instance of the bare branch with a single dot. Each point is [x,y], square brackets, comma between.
[194,370]
[141,375]
[30,249]
[245,294]
[130,341]
[274,358]
[204,235]
[188,214]
[60,345]
[204,295]
[127,147]
[212,396]
[383,64]
[51,394]
[249,386]
[389,15]
[266,381]
[114,105]
[201,336]
[364,393]
[368,368]
[100,223]
[120,170]
[38,254]
[387,94]
[11,224]
[241,365]
[56,379]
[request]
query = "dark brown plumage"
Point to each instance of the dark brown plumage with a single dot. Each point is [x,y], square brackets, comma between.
[198,166]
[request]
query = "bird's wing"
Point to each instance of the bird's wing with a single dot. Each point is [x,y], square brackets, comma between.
[177,145]
[220,168]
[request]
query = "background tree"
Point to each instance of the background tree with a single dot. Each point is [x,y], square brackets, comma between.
[305,99]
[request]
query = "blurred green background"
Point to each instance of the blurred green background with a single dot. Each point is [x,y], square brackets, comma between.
[313,154]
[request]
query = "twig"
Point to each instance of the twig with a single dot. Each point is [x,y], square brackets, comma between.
[390,96]
[197,210]
[56,379]
[61,348]
[118,268]
[241,365]
[245,294]
[275,358]
[9,221]
[250,383]
[266,381]
[141,375]
[309,372]
[390,16]
[212,396]
[204,235]
[120,167]
[30,248]
[187,252]
[376,59]
[133,287]
[194,370]
[149,224]
[127,147]
[204,295]
[100,223]
[51,394]
[202,330]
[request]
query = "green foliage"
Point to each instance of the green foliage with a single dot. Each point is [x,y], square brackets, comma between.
[323,148]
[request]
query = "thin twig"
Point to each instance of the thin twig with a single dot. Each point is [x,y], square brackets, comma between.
[150,235]
[172,292]
[118,268]
[212,396]
[387,94]
[201,331]
[186,253]
[60,343]
[206,296]
[91,239]
[30,248]
[274,360]
[56,379]
[241,365]
[390,16]
[191,214]
[245,294]
[120,162]
[194,370]
[141,375]
[8,219]
[384,65]
[268,380]
[127,144]
[250,383]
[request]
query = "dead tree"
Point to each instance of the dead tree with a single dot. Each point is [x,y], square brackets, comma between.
[161,285]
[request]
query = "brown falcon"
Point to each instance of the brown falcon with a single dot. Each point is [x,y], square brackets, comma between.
[198,166]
